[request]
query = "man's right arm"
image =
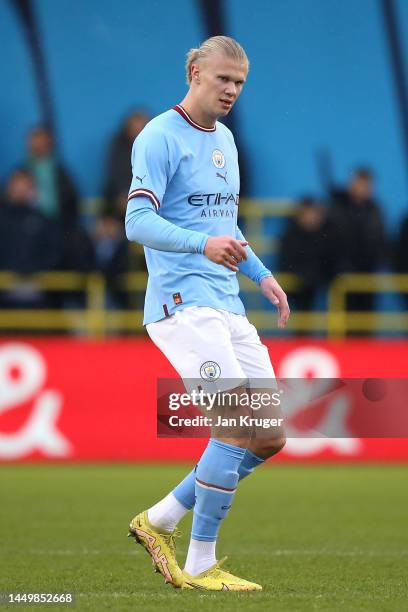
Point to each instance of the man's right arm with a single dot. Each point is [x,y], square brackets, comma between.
[152,171]
[144,225]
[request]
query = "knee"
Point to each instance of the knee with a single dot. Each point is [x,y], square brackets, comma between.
[267,447]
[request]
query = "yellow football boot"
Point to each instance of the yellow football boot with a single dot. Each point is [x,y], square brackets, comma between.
[161,547]
[216,579]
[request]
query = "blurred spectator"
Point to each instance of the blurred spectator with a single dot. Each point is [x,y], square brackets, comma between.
[58,200]
[401,252]
[57,196]
[306,250]
[78,252]
[77,256]
[111,257]
[360,235]
[29,241]
[119,171]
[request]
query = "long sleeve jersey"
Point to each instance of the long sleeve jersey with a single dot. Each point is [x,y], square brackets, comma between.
[185,188]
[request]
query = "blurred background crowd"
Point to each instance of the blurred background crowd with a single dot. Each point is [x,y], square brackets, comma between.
[321,128]
[42,229]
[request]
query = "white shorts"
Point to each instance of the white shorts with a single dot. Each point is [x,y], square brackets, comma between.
[218,349]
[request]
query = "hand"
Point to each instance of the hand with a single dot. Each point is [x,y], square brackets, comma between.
[226,251]
[275,294]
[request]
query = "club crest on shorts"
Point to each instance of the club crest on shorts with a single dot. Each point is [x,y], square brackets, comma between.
[218,158]
[210,370]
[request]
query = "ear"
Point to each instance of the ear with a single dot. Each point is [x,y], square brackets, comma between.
[195,73]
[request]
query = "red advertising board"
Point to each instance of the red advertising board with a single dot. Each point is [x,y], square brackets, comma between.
[80,400]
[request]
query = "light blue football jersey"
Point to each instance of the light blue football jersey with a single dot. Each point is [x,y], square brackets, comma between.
[185,188]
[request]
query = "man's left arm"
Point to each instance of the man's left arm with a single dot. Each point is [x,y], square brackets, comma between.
[254,269]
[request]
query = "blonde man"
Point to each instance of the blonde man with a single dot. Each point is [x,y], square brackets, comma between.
[182,207]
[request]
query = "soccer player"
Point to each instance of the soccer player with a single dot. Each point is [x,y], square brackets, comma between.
[182,207]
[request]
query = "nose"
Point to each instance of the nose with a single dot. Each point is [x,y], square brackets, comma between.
[231,89]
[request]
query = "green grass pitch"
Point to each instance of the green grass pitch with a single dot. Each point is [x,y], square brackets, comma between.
[316,537]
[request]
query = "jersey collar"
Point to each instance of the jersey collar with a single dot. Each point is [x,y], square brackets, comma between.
[180,110]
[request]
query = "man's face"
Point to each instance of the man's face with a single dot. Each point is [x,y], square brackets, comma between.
[40,143]
[219,80]
[361,188]
[20,190]
[310,218]
[135,125]
[108,228]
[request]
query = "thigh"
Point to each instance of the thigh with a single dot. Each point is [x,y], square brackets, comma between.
[266,408]
[197,342]
[252,355]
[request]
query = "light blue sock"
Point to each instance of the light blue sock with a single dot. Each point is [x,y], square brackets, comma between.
[249,463]
[216,479]
[184,492]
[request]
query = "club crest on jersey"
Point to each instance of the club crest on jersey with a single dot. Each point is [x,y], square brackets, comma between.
[210,370]
[218,158]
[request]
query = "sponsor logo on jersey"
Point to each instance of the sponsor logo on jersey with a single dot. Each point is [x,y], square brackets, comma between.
[222,176]
[218,158]
[177,298]
[210,370]
[218,213]
[212,199]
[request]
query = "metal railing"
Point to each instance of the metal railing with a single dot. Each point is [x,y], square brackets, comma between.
[340,321]
[95,320]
